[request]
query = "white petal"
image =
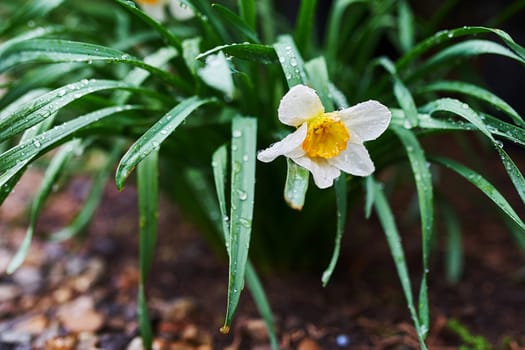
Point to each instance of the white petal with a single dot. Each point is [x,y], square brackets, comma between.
[289,146]
[155,11]
[217,74]
[180,11]
[367,120]
[298,105]
[324,174]
[354,160]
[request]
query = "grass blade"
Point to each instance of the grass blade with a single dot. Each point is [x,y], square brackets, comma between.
[483,185]
[244,133]
[54,50]
[152,139]
[293,68]
[250,52]
[219,165]
[16,158]
[27,12]
[476,92]
[341,201]
[423,181]
[248,12]
[405,26]
[305,24]
[34,112]
[237,24]
[454,251]
[386,218]
[163,31]
[148,191]
[51,175]
[92,201]
[403,95]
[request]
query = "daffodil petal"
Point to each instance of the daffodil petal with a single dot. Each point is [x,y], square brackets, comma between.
[290,146]
[323,172]
[354,160]
[367,120]
[180,11]
[155,11]
[298,105]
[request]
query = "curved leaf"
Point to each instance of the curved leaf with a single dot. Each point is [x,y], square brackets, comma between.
[151,140]
[32,113]
[250,52]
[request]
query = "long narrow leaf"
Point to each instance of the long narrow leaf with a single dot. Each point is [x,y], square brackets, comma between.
[148,191]
[152,139]
[245,51]
[236,23]
[248,12]
[244,132]
[386,218]
[50,177]
[483,185]
[305,24]
[16,158]
[219,166]
[54,50]
[293,68]
[33,112]
[423,181]
[341,201]
[476,92]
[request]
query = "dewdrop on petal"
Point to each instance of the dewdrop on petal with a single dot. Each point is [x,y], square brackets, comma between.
[326,143]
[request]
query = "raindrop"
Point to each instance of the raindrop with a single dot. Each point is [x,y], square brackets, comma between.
[163,132]
[245,158]
[293,62]
[464,106]
[237,133]
[61,93]
[242,195]
[450,35]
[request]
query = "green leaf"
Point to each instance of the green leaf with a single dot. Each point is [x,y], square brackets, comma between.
[39,77]
[341,201]
[248,12]
[33,112]
[291,61]
[296,185]
[317,72]
[148,197]
[293,68]
[262,304]
[483,185]
[476,92]
[16,158]
[406,26]
[152,139]
[454,251]
[423,179]
[93,199]
[403,95]
[50,177]
[162,30]
[219,165]
[462,50]
[335,21]
[54,51]
[244,134]
[447,35]
[28,12]
[512,170]
[250,52]
[305,24]
[237,24]
[386,218]
[190,51]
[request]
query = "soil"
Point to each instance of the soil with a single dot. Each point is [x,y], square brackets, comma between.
[81,294]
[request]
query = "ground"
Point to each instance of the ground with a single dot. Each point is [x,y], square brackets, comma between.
[80,294]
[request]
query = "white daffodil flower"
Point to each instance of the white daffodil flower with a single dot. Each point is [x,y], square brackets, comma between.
[156,9]
[327,143]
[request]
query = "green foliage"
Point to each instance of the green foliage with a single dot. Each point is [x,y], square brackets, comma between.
[166,97]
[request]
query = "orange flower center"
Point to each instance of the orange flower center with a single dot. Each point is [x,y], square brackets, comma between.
[149,2]
[326,137]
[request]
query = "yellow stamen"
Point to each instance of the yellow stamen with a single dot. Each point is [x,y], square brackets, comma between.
[149,2]
[327,136]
